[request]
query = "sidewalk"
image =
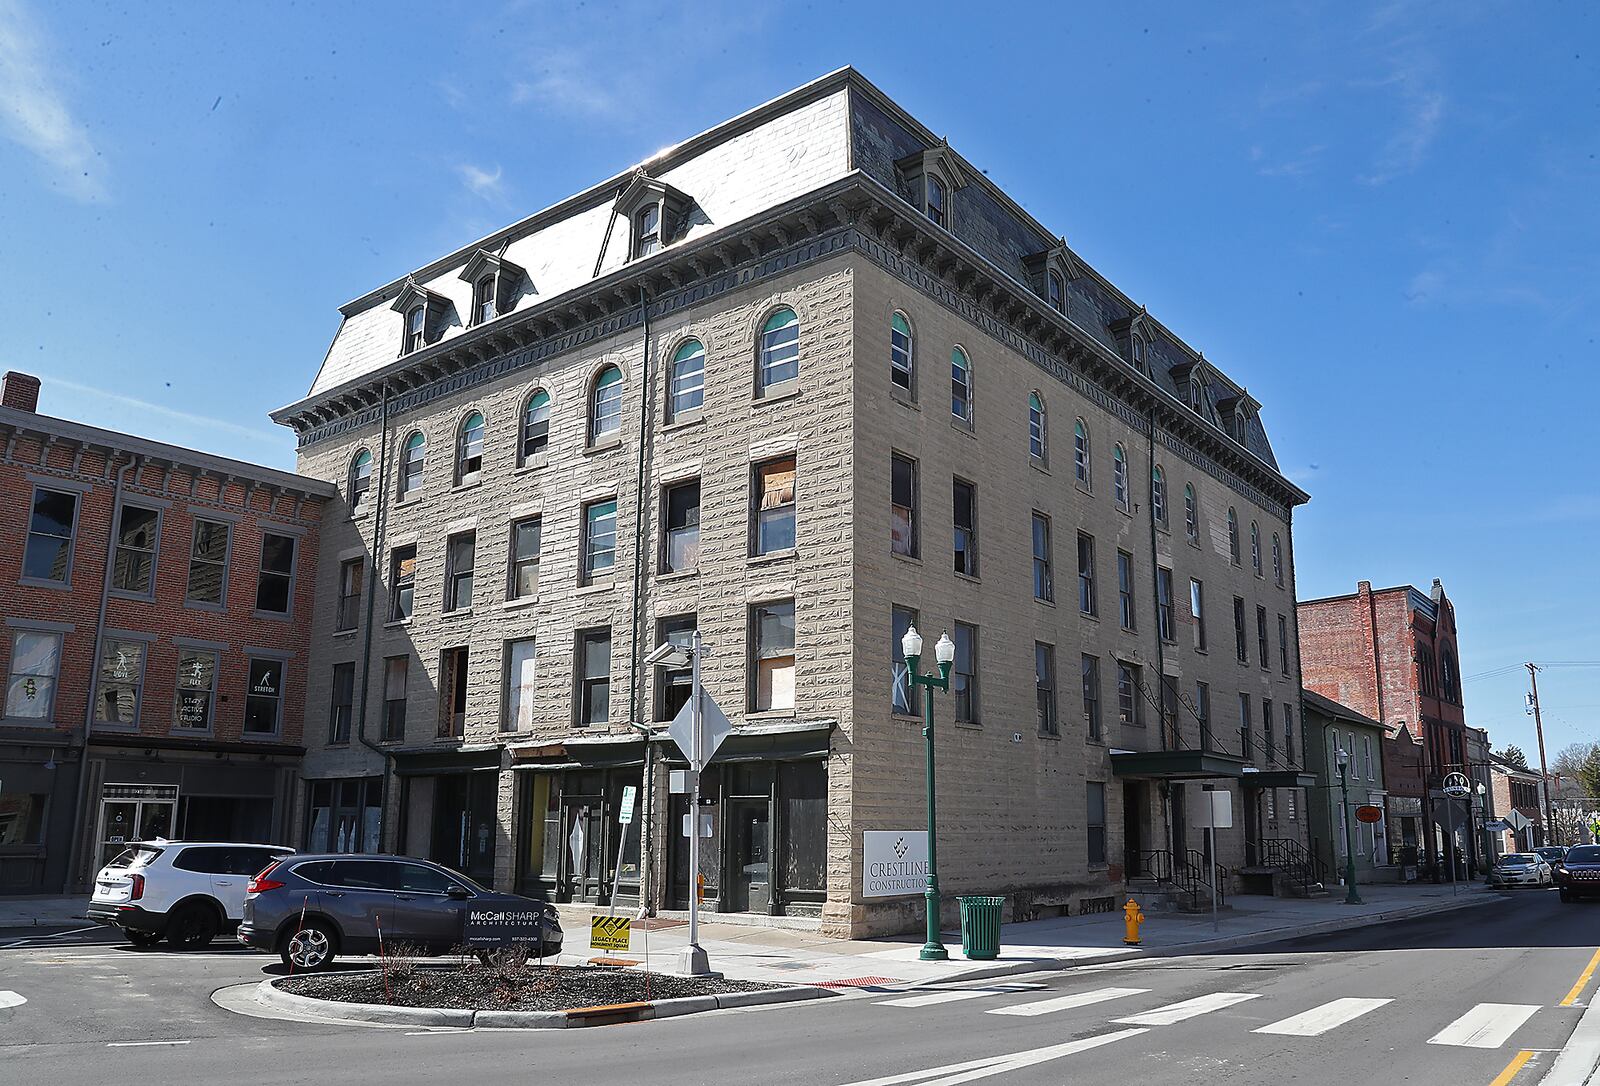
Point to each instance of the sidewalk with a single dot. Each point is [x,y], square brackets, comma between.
[43,912]
[802,957]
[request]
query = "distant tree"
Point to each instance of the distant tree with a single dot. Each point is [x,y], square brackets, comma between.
[1570,759]
[1514,755]
[1590,772]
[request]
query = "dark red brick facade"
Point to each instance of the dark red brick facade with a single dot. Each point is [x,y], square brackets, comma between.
[215,781]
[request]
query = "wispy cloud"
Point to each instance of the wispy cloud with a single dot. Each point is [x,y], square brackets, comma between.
[1298,164]
[1423,110]
[567,85]
[33,111]
[172,414]
[481,182]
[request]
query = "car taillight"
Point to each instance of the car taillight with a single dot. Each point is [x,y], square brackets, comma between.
[260,884]
[138,887]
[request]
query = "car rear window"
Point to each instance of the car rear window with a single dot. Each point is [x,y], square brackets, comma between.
[1584,854]
[207,859]
[137,856]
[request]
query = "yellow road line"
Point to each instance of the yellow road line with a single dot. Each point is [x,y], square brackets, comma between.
[1583,979]
[1505,1077]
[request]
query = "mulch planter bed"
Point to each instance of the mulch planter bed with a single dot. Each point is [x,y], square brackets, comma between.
[527,988]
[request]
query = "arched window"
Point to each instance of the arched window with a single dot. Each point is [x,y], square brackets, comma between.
[960,385]
[1255,548]
[416,323]
[647,230]
[360,480]
[483,307]
[1056,291]
[780,350]
[605,414]
[936,208]
[686,390]
[1136,348]
[1191,514]
[411,459]
[1233,536]
[1119,476]
[1277,560]
[469,449]
[900,351]
[535,426]
[1158,495]
[1036,432]
[1241,426]
[1196,399]
[1080,451]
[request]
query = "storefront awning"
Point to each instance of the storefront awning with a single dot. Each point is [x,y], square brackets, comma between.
[1177,765]
[434,762]
[1279,778]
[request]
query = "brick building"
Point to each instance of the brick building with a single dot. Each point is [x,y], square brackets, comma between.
[1392,655]
[801,381]
[157,600]
[1517,822]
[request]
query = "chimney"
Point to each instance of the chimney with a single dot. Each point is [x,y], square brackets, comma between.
[19,391]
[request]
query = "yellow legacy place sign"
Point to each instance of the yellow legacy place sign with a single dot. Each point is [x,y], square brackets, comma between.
[609,932]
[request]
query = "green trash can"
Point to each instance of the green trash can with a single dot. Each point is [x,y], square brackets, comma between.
[980,927]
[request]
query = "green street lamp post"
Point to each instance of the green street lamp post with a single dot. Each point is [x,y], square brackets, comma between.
[1342,756]
[945,653]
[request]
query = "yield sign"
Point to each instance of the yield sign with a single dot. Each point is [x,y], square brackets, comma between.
[714,728]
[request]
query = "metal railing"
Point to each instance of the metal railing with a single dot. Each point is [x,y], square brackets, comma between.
[1298,863]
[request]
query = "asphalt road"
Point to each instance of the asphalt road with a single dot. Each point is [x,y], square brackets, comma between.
[1453,999]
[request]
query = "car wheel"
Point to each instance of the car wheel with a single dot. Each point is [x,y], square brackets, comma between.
[143,938]
[193,926]
[310,949]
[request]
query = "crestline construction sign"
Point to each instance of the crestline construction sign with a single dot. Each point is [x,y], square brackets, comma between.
[610,933]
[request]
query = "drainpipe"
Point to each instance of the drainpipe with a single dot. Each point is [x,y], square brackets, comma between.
[640,572]
[1155,595]
[379,526]
[75,852]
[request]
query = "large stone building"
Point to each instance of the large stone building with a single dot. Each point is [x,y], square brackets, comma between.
[157,606]
[800,381]
[1392,655]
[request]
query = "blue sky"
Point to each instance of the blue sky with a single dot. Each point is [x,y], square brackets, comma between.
[1382,219]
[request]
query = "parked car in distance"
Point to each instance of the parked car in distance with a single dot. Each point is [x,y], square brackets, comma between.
[1580,874]
[184,891]
[1555,856]
[310,908]
[1521,869]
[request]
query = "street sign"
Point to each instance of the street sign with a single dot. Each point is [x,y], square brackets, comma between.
[625,815]
[610,932]
[1456,786]
[1368,813]
[714,728]
[1211,808]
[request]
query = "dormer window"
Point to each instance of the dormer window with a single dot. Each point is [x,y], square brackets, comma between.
[1140,362]
[935,200]
[1049,272]
[416,324]
[496,282]
[1056,292]
[424,313]
[657,214]
[1197,402]
[647,231]
[483,300]
[1241,426]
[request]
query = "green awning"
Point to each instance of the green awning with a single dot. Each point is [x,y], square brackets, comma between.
[1280,778]
[1177,764]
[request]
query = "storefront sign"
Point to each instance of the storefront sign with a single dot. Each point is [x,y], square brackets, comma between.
[499,925]
[1368,813]
[610,933]
[893,862]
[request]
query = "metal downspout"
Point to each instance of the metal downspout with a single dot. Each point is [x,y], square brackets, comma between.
[640,572]
[379,526]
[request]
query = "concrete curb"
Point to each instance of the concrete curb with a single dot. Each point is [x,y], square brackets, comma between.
[1209,946]
[269,994]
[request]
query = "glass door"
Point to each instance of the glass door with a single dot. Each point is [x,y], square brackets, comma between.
[134,812]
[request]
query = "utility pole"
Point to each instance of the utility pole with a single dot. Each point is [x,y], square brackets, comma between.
[1544,772]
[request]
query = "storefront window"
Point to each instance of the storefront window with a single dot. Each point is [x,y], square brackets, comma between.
[21,818]
[343,815]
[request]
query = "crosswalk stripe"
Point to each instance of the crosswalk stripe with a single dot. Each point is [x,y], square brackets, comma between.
[957,1073]
[1319,1020]
[1067,1002]
[1189,1008]
[1488,1025]
[952,995]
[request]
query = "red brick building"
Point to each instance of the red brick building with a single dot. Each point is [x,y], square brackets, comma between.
[158,601]
[1392,654]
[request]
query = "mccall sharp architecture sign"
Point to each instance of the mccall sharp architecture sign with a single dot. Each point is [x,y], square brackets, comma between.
[893,862]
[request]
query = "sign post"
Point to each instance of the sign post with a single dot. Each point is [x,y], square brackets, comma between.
[1456,786]
[625,819]
[698,737]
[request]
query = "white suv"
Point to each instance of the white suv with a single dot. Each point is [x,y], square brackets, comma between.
[186,891]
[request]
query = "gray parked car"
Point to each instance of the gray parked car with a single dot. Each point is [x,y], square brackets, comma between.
[310,908]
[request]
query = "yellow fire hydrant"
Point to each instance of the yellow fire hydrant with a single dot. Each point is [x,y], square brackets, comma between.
[1132,916]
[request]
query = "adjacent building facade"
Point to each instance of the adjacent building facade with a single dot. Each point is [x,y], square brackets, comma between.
[798,383]
[1517,823]
[1392,655]
[157,613]
[1332,728]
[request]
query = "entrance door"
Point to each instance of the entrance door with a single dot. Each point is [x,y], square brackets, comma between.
[1252,826]
[1179,803]
[1132,834]
[749,856]
[584,847]
[134,812]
